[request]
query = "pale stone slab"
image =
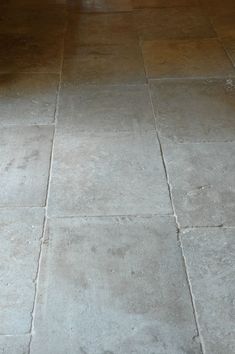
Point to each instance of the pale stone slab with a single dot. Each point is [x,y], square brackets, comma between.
[194,110]
[210,259]
[113,285]
[28,98]
[107,174]
[106,108]
[14,344]
[186,58]
[174,22]
[202,182]
[104,64]
[25,159]
[20,235]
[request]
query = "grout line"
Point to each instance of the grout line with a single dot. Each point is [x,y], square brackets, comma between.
[48,190]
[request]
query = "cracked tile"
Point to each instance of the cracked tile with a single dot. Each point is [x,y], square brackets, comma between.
[119,276]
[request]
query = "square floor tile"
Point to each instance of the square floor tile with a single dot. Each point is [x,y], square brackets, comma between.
[202,181]
[104,65]
[194,110]
[122,277]
[181,22]
[20,234]
[163,3]
[25,158]
[101,5]
[100,29]
[106,108]
[28,98]
[107,174]
[14,344]
[210,261]
[186,58]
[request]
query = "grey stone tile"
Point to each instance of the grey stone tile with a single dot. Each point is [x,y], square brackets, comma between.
[101,5]
[186,58]
[162,3]
[14,344]
[28,98]
[107,174]
[20,234]
[104,65]
[25,156]
[30,53]
[202,181]
[194,110]
[181,22]
[210,262]
[117,285]
[100,29]
[106,108]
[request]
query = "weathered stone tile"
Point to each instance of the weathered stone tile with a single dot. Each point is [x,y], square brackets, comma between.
[30,53]
[162,3]
[100,29]
[210,262]
[28,98]
[181,22]
[14,344]
[25,157]
[107,174]
[186,58]
[20,234]
[203,183]
[104,65]
[194,110]
[106,108]
[101,5]
[122,277]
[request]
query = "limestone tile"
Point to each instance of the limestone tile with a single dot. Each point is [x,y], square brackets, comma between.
[194,110]
[117,285]
[106,108]
[100,29]
[20,234]
[104,64]
[162,3]
[14,344]
[107,174]
[186,58]
[31,53]
[25,158]
[209,254]
[100,5]
[174,22]
[202,182]
[28,98]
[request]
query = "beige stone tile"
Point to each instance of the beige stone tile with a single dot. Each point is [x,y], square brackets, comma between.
[181,22]
[186,58]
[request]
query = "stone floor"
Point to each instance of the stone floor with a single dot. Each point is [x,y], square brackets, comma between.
[117,199]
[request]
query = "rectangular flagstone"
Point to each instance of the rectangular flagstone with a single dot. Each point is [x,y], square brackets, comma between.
[113,285]
[20,234]
[210,260]
[107,174]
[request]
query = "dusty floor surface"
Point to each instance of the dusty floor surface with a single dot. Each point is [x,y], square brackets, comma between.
[117,199]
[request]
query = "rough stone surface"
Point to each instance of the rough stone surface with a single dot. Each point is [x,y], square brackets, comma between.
[202,181]
[20,234]
[194,110]
[14,344]
[107,174]
[186,58]
[100,109]
[25,156]
[28,99]
[210,259]
[117,285]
